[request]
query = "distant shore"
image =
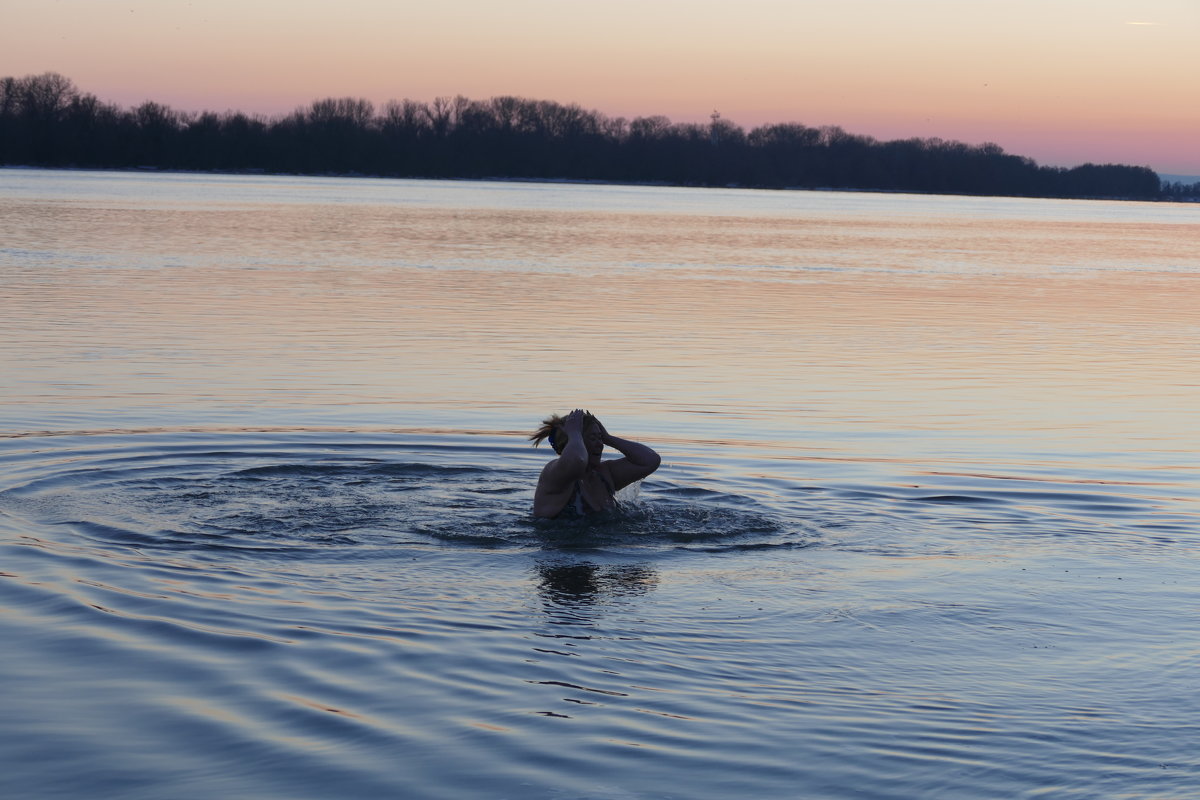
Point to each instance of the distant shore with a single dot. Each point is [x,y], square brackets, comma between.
[251,172]
[45,121]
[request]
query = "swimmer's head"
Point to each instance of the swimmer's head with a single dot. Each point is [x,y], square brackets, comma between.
[552,429]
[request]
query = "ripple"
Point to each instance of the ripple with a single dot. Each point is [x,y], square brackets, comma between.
[300,495]
[331,609]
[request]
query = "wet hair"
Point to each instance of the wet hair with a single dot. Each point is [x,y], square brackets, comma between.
[552,429]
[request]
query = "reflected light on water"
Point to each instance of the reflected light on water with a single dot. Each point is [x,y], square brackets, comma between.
[924,526]
[886,351]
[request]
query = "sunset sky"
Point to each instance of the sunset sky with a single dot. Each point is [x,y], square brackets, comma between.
[1061,81]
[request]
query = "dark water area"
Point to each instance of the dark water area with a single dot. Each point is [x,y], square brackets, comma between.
[926,524]
[307,613]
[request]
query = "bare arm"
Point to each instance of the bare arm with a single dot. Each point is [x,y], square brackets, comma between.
[639,461]
[559,476]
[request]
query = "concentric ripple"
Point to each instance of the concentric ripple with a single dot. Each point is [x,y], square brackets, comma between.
[311,614]
[339,495]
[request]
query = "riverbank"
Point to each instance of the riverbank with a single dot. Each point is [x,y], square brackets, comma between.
[571,182]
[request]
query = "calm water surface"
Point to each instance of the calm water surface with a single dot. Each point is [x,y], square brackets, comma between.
[927,523]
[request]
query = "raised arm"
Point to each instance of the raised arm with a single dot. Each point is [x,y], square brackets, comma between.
[639,460]
[559,476]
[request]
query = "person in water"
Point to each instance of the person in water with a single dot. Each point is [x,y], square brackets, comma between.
[578,478]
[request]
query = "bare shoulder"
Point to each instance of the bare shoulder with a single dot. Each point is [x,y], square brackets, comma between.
[550,495]
[550,481]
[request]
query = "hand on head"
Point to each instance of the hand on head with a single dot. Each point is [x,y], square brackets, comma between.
[605,436]
[574,420]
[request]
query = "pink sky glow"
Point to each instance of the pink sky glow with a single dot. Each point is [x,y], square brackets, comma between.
[1061,81]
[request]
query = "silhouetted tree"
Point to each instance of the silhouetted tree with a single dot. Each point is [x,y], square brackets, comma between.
[45,120]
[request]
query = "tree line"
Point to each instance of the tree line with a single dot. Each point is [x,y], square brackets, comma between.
[46,121]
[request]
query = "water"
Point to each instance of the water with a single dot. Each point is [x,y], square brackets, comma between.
[925,526]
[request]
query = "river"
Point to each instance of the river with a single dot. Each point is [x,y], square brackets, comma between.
[926,524]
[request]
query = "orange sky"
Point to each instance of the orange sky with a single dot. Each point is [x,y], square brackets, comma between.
[1062,81]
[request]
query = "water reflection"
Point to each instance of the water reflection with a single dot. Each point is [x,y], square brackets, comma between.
[803,319]
[929,497]
[581,586]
